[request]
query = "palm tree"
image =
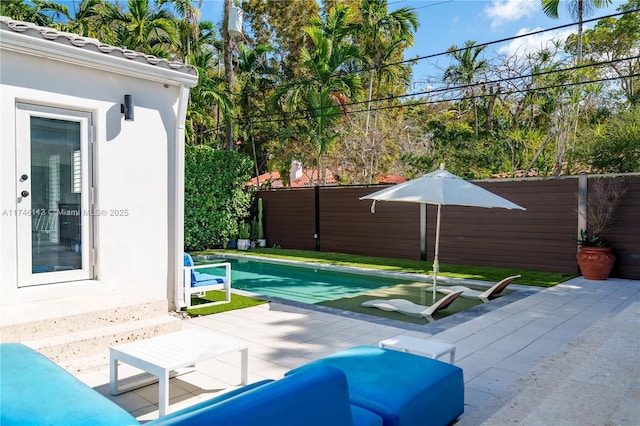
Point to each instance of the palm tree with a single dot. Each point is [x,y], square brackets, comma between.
[382,36]
[210,94]
[189,28]
[578,9]
[40,12]
[323,111]
[143,28]
[466,69]
[88,19]
[323,97]
[255,76]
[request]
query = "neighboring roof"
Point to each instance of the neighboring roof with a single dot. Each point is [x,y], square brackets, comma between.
[271,179]
[390,179]
[274,180]
[310,178]
[90,45]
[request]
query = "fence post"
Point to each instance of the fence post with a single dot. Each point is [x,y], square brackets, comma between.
[317,209]
[423,231]
[582,202]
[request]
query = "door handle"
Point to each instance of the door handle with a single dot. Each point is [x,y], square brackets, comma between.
[23,178]
[24,193]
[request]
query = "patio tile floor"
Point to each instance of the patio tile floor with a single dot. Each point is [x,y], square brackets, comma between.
[502,347]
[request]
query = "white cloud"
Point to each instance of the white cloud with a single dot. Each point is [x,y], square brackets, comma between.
[501,11]
[533,43]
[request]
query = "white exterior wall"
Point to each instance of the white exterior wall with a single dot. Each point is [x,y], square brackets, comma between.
[135,172]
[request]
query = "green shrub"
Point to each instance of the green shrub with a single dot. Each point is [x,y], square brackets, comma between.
[215,196]
[611,146]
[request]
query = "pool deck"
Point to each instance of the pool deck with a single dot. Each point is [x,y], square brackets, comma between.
[567,355]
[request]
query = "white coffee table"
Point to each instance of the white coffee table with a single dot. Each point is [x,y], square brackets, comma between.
[167,353]
[431,348]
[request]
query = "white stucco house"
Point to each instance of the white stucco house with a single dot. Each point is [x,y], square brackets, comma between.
[91,172]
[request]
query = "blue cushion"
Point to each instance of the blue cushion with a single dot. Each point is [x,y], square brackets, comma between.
[362,417]
[316,397]
[168,419]
[188,261]
[36,391]
[402,388]
[199,279]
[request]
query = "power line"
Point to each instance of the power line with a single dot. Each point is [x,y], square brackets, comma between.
[449,52]
[419,58]
[458,88]
[509,92]
[479,96]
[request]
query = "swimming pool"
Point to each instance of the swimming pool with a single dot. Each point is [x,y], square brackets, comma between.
[301,283]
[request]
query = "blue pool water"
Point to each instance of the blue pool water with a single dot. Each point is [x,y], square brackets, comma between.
[302,284]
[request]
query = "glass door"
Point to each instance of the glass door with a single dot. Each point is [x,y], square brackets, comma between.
[53,174]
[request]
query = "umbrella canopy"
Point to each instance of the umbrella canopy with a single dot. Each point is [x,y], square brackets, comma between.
[440,188]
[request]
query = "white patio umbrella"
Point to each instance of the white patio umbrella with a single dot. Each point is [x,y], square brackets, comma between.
[440,188]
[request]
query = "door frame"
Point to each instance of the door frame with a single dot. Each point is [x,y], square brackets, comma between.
[25,214]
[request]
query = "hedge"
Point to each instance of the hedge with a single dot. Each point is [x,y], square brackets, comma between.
[215,196]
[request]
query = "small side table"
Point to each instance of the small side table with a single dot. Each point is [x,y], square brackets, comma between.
[161,355]
[430,348]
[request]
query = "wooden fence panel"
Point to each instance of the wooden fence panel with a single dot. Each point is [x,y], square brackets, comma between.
[624,236]
[537,239]
[289,218]
[348,226]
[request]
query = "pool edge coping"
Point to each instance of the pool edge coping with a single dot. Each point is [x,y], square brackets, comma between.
[521,291]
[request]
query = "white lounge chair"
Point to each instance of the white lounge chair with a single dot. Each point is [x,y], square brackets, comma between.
[407,307]
[196,282]
[475,294]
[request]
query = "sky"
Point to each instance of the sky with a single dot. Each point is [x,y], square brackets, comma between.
[444,23]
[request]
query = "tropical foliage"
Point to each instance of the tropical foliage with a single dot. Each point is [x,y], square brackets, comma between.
[213,202]
[327,83]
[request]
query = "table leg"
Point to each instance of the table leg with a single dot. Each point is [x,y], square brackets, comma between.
[452,356]
[244,379]
[163,393]
[113,374]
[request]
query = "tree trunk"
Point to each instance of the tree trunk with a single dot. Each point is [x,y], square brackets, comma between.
[490,107]
[580,18]
[475,113]
[369,96]
[228,66]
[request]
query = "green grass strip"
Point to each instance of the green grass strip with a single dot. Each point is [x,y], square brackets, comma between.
[483,273]
[237,302]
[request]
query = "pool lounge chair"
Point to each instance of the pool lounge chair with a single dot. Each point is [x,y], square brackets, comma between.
[407,307]
[196,282]
[475,294]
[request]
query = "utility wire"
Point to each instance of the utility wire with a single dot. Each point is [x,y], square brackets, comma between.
[502,40]
[449,52]
[509,92]
[303,114]
[457,88]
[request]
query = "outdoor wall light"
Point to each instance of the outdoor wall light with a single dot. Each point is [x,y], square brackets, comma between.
[127,108]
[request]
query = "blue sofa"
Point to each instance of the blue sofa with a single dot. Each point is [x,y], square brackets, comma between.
[316,397]
[36,391]
[363,386]
[404,389]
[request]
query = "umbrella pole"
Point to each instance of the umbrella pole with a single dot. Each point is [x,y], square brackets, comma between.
[436,265]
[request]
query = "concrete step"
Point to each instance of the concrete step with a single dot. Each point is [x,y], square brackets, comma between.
[74,350]
[54,322]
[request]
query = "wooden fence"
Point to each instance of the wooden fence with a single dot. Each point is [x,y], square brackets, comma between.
[333,219]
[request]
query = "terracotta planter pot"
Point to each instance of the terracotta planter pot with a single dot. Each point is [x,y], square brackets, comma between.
[595,262]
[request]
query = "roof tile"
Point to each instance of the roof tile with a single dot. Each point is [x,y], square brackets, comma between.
[91,44]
